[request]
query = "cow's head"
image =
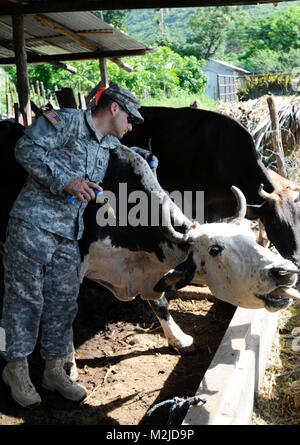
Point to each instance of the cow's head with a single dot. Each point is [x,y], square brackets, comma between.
[280,215]
[235,267]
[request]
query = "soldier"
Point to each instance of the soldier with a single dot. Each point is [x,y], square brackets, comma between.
[64,152]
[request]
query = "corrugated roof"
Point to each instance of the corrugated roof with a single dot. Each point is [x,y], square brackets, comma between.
[97,38]
[221,62]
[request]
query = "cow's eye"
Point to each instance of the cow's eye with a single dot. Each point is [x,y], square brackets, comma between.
[215,250]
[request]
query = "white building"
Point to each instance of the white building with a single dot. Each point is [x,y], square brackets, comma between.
[223,79]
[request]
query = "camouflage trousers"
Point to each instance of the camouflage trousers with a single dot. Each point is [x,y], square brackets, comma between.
[41,288]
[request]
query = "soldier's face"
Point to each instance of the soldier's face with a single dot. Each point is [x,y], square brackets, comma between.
[121,123]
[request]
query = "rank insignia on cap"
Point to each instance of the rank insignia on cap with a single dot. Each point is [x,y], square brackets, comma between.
[53,117]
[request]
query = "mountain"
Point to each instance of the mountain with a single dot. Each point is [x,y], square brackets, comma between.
[143,24]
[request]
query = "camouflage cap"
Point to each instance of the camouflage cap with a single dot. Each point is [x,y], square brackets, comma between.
[126,100]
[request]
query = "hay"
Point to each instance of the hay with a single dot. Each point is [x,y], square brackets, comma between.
[254,115]
[278,400]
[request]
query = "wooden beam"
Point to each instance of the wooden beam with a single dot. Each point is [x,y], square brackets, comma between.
[76,37]
[36,58]
[104,32]
[122,64]
[65,66]
[22,74]
[66,31]
[33,7]
[9,44]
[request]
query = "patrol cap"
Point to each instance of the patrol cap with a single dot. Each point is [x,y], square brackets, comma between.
[126,100]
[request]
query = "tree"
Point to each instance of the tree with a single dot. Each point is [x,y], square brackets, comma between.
[114,18]
[267,43]
[210,27]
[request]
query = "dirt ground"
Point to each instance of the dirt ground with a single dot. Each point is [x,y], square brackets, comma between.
[124,362]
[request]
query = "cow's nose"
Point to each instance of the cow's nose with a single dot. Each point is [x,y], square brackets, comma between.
[283,275]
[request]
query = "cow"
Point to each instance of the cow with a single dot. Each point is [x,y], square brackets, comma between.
[205,150]
[12,174]
[147,260]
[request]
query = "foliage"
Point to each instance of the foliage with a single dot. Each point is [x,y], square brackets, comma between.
[161,73]
[270,42]
[257,86]
[114,18]
[156,74]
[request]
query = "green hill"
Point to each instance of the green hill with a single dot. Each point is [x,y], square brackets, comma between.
[143,23]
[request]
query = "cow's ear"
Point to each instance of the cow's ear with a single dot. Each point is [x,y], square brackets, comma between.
[254,211]
[178,277]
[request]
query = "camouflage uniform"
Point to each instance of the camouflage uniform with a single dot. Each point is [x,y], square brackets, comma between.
[41,256]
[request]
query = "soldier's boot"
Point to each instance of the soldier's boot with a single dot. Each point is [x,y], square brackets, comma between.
[70,366]
[16,376]
[55,378]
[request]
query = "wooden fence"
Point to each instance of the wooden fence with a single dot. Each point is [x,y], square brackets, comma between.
[72,97]
[228,87]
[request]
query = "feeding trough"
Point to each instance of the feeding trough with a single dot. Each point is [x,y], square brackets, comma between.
[235,372]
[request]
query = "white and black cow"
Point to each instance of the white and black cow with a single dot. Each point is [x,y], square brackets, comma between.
[149,260]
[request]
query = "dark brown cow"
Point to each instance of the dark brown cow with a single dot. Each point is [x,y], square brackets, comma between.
[204,150]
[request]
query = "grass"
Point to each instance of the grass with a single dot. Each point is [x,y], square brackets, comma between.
[181,101]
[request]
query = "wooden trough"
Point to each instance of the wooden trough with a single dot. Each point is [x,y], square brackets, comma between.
[236,371]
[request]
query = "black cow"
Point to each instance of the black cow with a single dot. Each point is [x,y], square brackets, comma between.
[12,175]
[204,150]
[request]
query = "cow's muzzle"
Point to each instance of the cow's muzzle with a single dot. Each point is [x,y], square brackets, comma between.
[280,298]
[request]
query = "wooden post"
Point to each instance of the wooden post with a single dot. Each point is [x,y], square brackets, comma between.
[37,86]
[103,73]
[21,64]
[276,137]
[7,99]
[218,87]
[43,93]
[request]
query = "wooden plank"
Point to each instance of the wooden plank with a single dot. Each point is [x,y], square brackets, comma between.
[66,98]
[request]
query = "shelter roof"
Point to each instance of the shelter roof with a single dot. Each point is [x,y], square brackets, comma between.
[65,36]
[37,6]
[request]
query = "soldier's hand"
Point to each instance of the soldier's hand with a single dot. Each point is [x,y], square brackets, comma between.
[151,157]
[82,189]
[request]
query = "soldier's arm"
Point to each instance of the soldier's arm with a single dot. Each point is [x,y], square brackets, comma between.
[35,152]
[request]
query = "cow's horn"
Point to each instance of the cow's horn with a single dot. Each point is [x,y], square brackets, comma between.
[241,204]
[171,233]
[263,194]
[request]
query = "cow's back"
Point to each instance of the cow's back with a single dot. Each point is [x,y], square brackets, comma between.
[202,150]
